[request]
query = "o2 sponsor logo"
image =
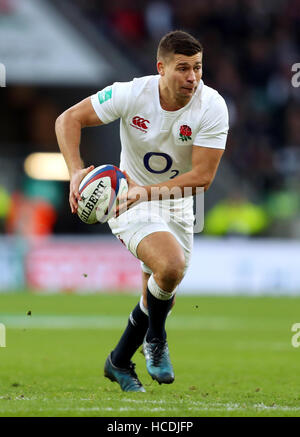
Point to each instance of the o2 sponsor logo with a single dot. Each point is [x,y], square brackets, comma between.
[166,165]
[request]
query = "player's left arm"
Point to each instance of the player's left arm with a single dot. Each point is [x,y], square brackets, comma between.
[205,162]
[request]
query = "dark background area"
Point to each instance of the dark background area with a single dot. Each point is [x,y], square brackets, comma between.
[249,50]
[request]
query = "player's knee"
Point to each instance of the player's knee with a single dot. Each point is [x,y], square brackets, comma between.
[171,271]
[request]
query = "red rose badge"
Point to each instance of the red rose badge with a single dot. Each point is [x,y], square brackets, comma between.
[185,133]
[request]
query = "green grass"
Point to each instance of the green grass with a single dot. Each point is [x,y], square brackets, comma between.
[232,356]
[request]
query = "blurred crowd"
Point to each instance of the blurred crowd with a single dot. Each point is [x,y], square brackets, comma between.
[250,48]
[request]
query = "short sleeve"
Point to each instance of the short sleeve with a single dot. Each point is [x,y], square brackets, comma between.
[214,126]
[111,102]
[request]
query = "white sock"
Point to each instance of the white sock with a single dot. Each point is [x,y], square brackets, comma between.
[143,308]
[157,292]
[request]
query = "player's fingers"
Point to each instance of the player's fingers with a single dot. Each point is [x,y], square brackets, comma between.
[73,202]
[126,175]
[122,198]
[128,179]
[74,193]
[77,196]
[84,172]
[120,208]
[117,211]
[123,207]
[88,169]
[73,208]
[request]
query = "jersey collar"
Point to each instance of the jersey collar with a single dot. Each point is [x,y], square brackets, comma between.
[196,95]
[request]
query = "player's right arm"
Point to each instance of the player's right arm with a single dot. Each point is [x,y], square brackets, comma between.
[68,131]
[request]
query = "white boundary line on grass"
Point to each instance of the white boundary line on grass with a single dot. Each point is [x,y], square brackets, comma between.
[191,321]
[258,408]
[44,321]
[195,406]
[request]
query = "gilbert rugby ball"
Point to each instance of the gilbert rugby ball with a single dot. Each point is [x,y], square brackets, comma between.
[99,192]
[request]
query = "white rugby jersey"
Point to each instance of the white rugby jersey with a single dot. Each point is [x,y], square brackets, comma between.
[156,145]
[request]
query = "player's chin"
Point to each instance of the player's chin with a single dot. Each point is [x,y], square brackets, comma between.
[187,91]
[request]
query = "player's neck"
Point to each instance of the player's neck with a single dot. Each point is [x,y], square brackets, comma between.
[169,102]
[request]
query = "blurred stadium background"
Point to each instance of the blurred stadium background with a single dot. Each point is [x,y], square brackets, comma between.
[58,52]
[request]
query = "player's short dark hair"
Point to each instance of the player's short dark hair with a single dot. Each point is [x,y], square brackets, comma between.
[178,42]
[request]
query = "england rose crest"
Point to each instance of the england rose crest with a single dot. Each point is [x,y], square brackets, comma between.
[185,133]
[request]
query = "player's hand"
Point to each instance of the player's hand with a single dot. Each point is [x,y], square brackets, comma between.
[135,194]
[75,180]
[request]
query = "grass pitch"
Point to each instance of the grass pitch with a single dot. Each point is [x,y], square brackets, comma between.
[232,356]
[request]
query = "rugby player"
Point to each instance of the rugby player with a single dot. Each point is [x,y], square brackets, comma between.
[173,131]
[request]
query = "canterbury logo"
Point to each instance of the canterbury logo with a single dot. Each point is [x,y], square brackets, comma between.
[140,123]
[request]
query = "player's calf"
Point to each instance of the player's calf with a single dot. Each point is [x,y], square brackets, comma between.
[132,337]
[159,305]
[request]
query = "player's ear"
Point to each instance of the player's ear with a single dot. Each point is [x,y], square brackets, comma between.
[160,68]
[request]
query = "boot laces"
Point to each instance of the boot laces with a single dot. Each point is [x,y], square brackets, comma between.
[158,352]
[134,375]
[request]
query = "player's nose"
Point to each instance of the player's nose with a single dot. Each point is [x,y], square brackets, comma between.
[191,77]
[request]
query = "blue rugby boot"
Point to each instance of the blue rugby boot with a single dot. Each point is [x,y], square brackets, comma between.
[158,361]
[126,378]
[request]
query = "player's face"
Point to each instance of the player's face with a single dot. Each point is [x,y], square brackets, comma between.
[182,75]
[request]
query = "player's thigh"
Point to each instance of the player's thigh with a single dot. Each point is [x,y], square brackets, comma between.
[183,231]
[162,253]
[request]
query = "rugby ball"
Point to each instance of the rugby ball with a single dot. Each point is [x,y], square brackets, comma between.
[99,191]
